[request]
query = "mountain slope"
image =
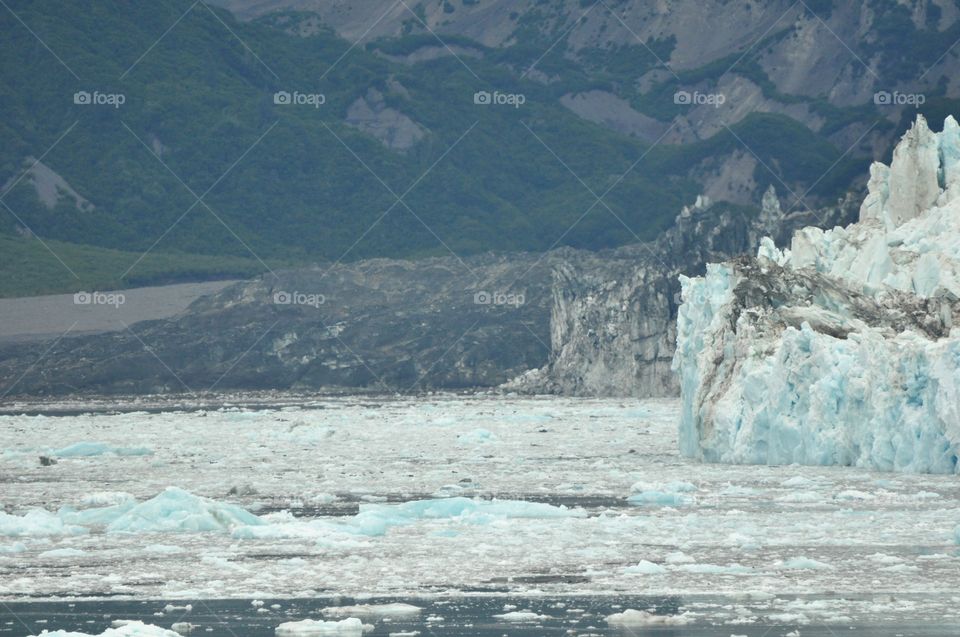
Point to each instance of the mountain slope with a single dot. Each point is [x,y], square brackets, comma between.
[198,159]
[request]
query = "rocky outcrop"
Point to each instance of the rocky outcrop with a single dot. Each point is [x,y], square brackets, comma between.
[569,321]
[392,128]
[613,319]
[377,325]
[845,348]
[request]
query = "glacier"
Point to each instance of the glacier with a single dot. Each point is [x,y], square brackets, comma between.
[843,349]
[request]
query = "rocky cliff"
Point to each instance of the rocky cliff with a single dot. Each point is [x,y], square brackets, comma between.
[377,325]
[568,321]
[613,316]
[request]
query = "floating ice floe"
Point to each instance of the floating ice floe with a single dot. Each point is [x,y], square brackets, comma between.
[175,510]
[632,617]
[845,348]
[396,609]
[522,616]
[16,547]
[37,523]
[172,510]
[86,449]
[804,564]
[64,552]
[477,437]
[666,494]
[645,567]
[127,629]
[376,519]
[350,627]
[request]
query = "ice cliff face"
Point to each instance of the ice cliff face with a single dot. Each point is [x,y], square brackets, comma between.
[844,348]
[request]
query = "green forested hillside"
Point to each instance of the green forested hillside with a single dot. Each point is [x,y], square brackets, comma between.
[298,184]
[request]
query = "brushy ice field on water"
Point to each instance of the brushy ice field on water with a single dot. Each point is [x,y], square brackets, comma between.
[450,496]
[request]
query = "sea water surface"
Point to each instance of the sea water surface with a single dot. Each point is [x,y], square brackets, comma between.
[471,508]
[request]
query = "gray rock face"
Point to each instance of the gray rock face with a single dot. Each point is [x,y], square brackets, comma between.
[569,321]
[391,127]
[379,325]
[613,320]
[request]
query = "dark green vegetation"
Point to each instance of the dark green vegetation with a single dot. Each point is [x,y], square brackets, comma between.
[30,268]
[281,178]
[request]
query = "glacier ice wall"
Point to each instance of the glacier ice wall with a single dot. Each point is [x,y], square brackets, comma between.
[841,349]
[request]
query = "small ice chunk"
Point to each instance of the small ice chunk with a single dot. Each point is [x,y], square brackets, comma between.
[373,610]
[350,627]
[121,628]
[105,498]
[804,563]
[645,568]
[667,494]
[64,552]
[798,481]
[679,557]
[522,616]
[476,437]
[16,547]
[36,523]
[631,617]
[87,449]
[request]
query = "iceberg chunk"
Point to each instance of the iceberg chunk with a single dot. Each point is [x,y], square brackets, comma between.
[350,627]
[36,523]
[127,629]
[632,617]
[176,510]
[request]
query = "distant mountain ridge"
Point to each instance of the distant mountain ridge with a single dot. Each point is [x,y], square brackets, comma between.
[400,159]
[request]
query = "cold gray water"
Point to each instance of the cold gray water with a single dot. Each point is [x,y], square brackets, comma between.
[470,616]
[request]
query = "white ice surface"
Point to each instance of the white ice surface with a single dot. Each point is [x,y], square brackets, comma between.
[350,627]
[737,532]
[128,629]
